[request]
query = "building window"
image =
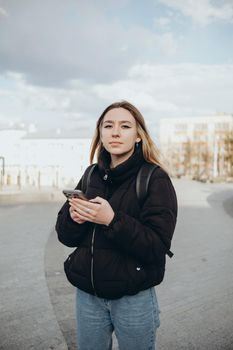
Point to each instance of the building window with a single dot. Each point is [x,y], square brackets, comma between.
[200,126]
[181,127]
[222,126]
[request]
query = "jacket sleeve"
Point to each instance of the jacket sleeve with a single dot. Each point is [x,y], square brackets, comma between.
[69,232]
[148,238]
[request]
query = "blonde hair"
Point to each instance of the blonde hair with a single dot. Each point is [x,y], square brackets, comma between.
[150,151]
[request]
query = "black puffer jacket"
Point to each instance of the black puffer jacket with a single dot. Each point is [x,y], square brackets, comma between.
[128,255]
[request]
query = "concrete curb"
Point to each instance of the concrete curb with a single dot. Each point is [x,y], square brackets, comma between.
[18,197]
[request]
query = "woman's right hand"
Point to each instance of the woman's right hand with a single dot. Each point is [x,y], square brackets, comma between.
[75,216]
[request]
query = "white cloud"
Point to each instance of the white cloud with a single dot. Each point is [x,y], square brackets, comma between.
[168,43]
[82,42]
[161,90]
[177,89]
[3,12]
[202,11]
[162,22]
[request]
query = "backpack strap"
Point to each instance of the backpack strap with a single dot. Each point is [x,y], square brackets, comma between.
[142,184]
[87,177]
[142,181]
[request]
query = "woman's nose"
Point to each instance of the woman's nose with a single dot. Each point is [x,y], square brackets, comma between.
[115,131]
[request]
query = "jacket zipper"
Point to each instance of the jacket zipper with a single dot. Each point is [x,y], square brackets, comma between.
[92,260]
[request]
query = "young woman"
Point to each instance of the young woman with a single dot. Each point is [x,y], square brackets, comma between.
[121,245]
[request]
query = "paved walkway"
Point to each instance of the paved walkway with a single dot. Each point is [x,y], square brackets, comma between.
[196,297]
[27,319]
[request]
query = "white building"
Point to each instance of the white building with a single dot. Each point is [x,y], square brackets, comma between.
[196,146]
[37,160]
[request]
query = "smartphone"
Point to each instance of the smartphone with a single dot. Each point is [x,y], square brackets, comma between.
[75,194]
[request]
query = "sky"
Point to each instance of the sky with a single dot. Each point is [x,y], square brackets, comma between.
[63,61]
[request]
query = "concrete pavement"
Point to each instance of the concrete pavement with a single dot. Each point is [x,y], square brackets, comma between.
[196,297]
[27,319]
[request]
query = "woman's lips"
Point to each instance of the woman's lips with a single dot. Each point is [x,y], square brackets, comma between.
[115,143]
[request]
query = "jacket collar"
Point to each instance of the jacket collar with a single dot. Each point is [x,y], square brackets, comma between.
[123,171]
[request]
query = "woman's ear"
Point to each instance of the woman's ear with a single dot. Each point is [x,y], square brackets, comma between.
[138,139]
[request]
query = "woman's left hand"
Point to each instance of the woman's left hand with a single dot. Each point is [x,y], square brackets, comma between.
[97,210]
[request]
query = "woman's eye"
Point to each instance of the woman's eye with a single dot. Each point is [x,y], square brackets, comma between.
[108,126]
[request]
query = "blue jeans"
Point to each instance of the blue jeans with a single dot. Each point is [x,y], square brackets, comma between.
[134,319]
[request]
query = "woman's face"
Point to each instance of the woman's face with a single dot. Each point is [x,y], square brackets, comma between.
[119,133]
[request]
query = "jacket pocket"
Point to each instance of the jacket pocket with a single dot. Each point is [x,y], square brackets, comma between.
[69,261]
[77,266]
[137,273]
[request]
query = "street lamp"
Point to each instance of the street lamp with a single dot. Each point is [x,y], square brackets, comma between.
[3,170]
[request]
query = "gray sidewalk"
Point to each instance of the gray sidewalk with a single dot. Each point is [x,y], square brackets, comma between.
[27,317]
[196,297]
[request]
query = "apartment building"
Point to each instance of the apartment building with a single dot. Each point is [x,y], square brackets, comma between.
[37,160]
[198,147]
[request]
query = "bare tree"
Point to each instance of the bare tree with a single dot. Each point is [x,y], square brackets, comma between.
[188,153]
[228,145]
[207,161]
